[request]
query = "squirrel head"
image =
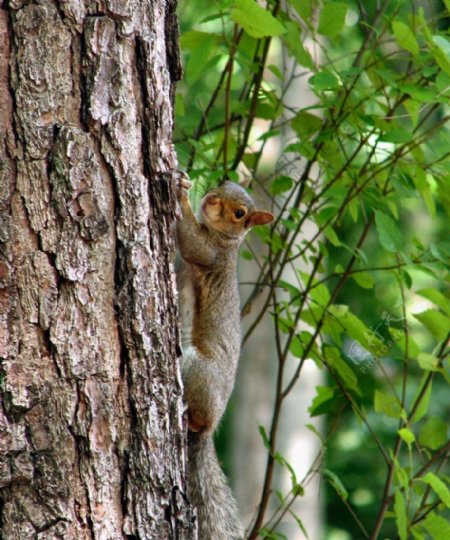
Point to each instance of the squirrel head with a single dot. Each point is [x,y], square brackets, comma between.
[230,210]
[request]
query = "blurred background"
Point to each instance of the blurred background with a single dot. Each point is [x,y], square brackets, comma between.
[337,464]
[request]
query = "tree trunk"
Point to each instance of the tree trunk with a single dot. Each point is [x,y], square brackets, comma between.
[92,439]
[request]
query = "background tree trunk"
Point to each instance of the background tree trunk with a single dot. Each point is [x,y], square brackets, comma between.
[91,411]
[255,389]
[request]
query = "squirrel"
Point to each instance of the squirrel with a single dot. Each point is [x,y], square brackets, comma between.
[211,338]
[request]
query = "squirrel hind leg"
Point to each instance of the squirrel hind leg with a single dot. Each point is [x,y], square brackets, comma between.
[198,423]
[206,399]
[205,409]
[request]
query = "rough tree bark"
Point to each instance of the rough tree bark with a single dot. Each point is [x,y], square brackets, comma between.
[91,412]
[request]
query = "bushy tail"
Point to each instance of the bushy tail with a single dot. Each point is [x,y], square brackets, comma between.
[209,492]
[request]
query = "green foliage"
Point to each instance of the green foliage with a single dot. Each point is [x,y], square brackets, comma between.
[437,526]
[438,486]
[368,164]
[401,515]
[255,20]
[332,18]
[405,37]
[336,483]
[387,404]
[388,233]
[433,433]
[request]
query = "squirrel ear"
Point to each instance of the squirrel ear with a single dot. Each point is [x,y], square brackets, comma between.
[259,217]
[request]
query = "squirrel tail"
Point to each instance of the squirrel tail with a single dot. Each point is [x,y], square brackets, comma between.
[209,492]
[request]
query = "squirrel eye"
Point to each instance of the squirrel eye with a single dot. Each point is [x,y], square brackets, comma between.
[240,213]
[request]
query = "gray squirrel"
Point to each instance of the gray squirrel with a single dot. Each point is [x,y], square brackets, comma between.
[210,317]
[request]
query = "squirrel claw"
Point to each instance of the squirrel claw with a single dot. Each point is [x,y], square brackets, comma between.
[182,180]
[183,184]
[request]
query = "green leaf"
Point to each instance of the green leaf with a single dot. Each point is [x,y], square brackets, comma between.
[405,37]
[294,292]
[438,486]
[202,47]
[249,159]
[428,361]
[320,294]
[441,51]
[282,461]
[339,311]
[422,409]
[401,474]
[404,342]
[356,329]
[276,71]
[444,195]
[435,296]
[437,526]
[406,278]
[387,404]
[314,430]
[363,279]
[400,514]
[212,17]
[255,20]
[407,435]
[247,255]
[306,124]
[264,437]
[303,8]
[300,523]
[443,84]
[331,235]
[388,233]
[423,95]
[269,135]
[266,111]
[417,534]
[353,208]
[265,534]
[396,136]
[340,366]
[194,39]
[335,481]
[293,40]
[413,108]
[436,322]
[441,250]
[298,489]
[281,184]
[423,187]
[433,434]
[296,347]
[332,18]
[324,80]
[321,403]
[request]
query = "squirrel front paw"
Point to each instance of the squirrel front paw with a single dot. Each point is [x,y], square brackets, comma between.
[183,184]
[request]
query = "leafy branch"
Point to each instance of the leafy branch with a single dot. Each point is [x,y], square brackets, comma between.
[374,168]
